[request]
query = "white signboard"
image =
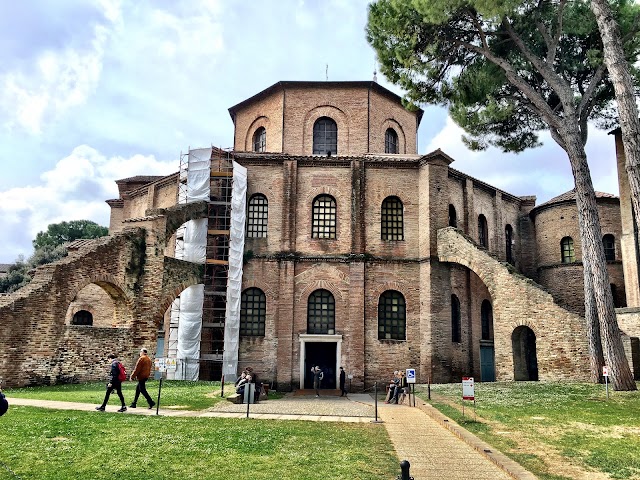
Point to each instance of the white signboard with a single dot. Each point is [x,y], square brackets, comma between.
[467,388]
[165,364]
[411,375]
[605,371]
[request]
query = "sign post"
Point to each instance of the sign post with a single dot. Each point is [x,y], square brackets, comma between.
[605,374]
[163,365]
[468,392]
[411,381]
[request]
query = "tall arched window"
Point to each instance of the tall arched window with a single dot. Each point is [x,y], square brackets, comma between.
[609,243]
[391,219]
[392,316]
[508,240]
[486,319]
[260,140]
[390,141]
[253,312]
[321,313]
[567,252]
[456,326]
[257,216]
[483,231]
[453,219]
[324,217]
[325,137]
[82,317]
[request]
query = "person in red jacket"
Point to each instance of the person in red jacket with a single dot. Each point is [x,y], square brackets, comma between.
[142,372]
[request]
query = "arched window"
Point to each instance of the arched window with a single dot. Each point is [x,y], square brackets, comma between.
[253,312]
[321,313]
[508,240]
[453,219]
[390,141]
[324,217]
[82,317]
[456,327]
[483,232]
[609,243]
[260,140]
[392,316]
[257,216]
[567,252]
[486,320]
[325,137]
[391,223]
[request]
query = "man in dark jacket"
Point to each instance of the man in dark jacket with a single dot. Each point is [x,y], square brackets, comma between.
[4,405]
[114,383]
[343,376]
[142,372]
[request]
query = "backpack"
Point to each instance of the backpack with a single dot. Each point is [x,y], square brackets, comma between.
[122,372]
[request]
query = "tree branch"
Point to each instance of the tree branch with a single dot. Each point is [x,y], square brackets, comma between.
[587,97]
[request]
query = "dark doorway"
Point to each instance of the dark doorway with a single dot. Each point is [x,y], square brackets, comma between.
[322,354]
[487,361]
[525,360]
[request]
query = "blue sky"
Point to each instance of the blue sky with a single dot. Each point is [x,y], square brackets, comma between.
[96,90]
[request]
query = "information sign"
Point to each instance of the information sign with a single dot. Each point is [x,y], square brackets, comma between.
[411,375]
[467,388]
[605,371]
[171,364]
[160,365]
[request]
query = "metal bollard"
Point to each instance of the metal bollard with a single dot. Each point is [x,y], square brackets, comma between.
[404,468]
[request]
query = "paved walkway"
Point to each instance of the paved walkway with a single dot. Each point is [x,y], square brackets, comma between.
[435,446]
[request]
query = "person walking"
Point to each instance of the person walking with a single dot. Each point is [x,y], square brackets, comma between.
[142,372]
[317,378]
[114,383]
[343,377]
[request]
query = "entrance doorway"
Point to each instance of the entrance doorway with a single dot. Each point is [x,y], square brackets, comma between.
[323,355]
[487,361]
[525,360]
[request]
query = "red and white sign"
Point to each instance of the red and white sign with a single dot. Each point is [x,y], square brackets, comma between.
[605,371]
[467,388]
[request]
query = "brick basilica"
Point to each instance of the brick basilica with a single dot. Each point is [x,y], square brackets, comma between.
[358,252]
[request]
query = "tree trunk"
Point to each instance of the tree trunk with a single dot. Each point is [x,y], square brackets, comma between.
[596,274]
[596,357]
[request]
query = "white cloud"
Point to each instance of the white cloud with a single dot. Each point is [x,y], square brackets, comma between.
[75,189]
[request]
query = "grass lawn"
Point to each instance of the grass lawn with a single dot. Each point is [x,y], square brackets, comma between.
[555,430]
[52,444]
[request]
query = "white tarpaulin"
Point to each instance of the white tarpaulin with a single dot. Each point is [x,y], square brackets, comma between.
[189,329]
[186,329]
[234,284]
[198,174]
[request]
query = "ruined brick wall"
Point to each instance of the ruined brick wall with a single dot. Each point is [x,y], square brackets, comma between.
[96,301]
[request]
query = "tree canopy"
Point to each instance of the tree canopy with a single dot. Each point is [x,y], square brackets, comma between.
[501,66]
[63,232]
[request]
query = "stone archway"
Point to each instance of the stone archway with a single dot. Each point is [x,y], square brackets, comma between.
[525,358]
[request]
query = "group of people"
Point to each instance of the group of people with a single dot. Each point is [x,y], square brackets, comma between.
[398,386]
[247,376]
[141,373]
[318,376]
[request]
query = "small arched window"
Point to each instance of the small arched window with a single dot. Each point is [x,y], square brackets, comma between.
[456,327]
[453,219]
[253,312]
[390,141]
[82,317]
[483,231]
[391,219]
[609,243]
[257,216]
[566,249]
[321,313]
[325,137]
[486,319]
[260,140]
[508,240]
[324,217]
[392,316]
